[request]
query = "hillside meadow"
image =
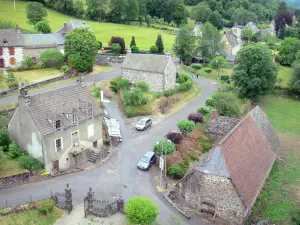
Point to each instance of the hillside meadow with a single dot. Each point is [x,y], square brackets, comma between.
[145,37]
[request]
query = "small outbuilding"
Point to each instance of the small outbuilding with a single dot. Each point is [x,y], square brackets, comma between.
[158,71]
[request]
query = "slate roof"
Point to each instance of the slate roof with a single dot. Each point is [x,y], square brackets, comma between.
[267,31]
[230,58]
[146,62]
[71,25]
[252,26]
[12,36]
[56,104]
[249,151]
[220,126]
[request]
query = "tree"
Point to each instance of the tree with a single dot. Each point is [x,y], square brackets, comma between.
[218,61]
[140,210]
[120,41]
[97,9]
[142,8]
[292,32]
[185,126]
[79,9]
[134,97]
[184,43]
[148,20]
[282,29]
[52,58]
[65,6]
[242,16]
[117,11]
[164,147]
[216,20]
[247,34]
[132,10]
[210,42]
[35,12]
[259,10]
[201,12]
[132,43]
[43,27]
[255,72]
[141,19]
[282,13]
[227,104]
[81,44]
[179,14]
[288,50]
[295,217]
[210,102]
[159,44]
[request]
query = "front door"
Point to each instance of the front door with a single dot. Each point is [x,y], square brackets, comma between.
[1,63]
[75,138]
[56,166]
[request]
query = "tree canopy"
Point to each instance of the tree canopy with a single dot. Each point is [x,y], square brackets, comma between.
[35,12]
[184,45]
[288,50]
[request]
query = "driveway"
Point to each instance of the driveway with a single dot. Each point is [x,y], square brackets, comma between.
[119,174]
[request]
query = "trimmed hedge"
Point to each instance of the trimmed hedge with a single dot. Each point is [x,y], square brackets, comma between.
[52,58]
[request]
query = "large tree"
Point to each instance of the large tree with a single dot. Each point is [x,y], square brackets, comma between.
[201,12]
[283,12]
[35,12]
[216,20]
[132,10]
[288,49]
[81,49]
[43,27]
[242,16]
[255,73]
[117,11]
[97,9]
[259,10]
[178,14]
[184,45]
[282,29]
[210,41]
[159,44]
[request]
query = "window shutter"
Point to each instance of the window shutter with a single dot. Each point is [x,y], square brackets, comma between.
[11,51]
[1,51]
[12,61]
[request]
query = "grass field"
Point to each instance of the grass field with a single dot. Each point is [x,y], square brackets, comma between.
[37,75]
[10,167]
[285,73]
[144,37]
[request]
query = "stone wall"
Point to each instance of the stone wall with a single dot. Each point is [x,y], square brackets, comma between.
[198,187]
[34,52]
[170,78]
[105,60]
[155,80]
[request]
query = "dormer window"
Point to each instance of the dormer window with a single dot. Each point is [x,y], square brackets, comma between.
[74,118]
[57,124]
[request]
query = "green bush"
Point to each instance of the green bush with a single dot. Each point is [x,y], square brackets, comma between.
[29,62]
[52,58]
[65,69]
[295,217]
[114,86]
[123,84]
[206,145]
[181,78]
[12,81]
[135,49]
[163,147]
[134,97]
[46,206]
[197,66]
[141,210]
[227,104]
[116,48]
[153,49]
[225,78]
[186,86]
[218,61]
[39,65]
[99,44]
[29,162]
[170,92]
[208,70]
[4,139]
[210,102]
[130,111]
[14,151]
[142,85]
[176,171]
[185,126]
[43,27]
[203,111]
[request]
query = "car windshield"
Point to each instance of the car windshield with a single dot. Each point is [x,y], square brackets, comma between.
[142,122]
[145,159]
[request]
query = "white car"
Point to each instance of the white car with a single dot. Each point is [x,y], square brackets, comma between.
[143,124]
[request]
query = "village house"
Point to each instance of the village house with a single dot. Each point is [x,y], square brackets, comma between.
[158,71]
[227,182]
[55,125]
[16,46]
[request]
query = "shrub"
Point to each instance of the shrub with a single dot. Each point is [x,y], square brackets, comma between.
[175,137]
[176,171]
[169,92]
[141,210]
[123,84]
[186,86]
[210,102]
[43,27]
[163,147]
[153,49]
[99,44]
[2,156]
[7,24]
[4,139]
[114,86]
[65,69]
[120,41]
[195,117]
[227,104]
[225,78]
[46,206]
[39,65]
[130,111]
[206,145]
[29,62]
[181,78]
[52,58]
[12,81]
[135,49]
[197,66]
[203,111]
[134,97]
[142,85]
[208,70]
[29,162]
[116,48]
[185,126]
[295,217]
[14,151]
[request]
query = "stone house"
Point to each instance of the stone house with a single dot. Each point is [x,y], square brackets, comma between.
[232,40]
[227,181]
[253,27]
[54,125]
[158,71]
[71,25]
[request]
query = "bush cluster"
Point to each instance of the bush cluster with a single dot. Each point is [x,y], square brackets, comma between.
[143,86]
[116,48]
[175,137]
[52,58]
[203,111]
[185,82]
[14,151]
[185,126]
[45,207]
[208,70]
[206,145]
[30,163]
[163,147]
[176,171]
[195,117]
[225,78]
[197,66]
[120,41]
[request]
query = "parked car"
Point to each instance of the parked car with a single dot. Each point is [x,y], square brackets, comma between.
[143,124]
[147,161]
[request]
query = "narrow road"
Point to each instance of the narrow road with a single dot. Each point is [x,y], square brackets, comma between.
[119,174]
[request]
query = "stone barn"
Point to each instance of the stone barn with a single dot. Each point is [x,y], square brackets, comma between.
[228,180]
[158,71]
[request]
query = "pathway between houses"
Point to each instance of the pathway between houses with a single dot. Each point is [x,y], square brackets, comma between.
[119,174]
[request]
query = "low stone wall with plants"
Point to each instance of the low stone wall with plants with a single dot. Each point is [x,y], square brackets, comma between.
[106,59]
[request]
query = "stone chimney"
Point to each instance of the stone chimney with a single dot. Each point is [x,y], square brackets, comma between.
[213,114]
[23,91]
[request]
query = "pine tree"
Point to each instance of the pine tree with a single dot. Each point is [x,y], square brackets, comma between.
[159,44]
[282,29]
[132,43]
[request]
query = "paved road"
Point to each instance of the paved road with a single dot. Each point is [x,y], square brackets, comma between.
[119,174]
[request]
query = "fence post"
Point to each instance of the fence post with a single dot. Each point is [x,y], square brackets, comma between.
[68,197]
[90,198]
[30,198]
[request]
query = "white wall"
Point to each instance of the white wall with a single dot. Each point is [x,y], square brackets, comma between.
[19,57]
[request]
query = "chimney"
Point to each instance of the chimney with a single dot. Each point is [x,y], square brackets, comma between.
[213,114]
[24,93]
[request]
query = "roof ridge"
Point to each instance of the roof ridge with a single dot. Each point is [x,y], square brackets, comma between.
[53,90]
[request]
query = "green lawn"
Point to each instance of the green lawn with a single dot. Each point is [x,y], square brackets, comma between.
[284,113]
[144,37]
[285,73]
[37,75]
[10,167]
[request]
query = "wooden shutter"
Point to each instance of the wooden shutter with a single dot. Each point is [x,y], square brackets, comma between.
[1,51]
[11,51]
[12,61]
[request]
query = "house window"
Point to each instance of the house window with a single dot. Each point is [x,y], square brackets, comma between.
[75,138]
[74,118]
[58,144]
[12,61]
[11,51]
[91,130]
[1,51]
[57,124]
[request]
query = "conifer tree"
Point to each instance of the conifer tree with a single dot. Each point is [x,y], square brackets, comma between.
[159,44]
[132,43]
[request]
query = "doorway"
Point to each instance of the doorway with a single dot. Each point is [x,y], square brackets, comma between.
[208,208]
[56,166]
[95,144]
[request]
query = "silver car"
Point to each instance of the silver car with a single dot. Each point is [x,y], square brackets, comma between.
[147,161]
[143,124]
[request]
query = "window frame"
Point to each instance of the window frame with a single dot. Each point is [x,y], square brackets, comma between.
[1,51]
[61,144]
[75,131]
[56,127]
[11,51]
[12,61]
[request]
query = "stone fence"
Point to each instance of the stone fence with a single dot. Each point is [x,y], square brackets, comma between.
[64,200]
[106,60]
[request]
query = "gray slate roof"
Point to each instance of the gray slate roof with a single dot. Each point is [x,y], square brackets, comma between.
[71,25]
[230,58]
[57,103]
[12,36]
[146,62]
[267,31]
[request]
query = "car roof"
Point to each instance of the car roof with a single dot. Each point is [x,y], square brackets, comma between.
[145,118]
[149,154]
